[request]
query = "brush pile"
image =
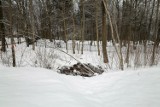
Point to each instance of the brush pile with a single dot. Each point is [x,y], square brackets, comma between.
[86,70]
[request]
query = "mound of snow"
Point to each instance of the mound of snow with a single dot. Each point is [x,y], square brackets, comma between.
[36,87]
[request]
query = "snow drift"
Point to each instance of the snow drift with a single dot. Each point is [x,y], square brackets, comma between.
[37,87]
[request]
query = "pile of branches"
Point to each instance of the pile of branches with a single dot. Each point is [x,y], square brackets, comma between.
[85,70]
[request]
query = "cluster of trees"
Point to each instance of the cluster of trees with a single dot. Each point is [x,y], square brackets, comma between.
[121,21]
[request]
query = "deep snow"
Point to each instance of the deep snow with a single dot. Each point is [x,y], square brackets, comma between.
[38,87]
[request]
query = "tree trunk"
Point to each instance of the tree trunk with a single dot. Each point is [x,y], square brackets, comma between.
[32,23]
[128,46]
[11,34]
[73,36]
[2,29]
[48,12]
[155,35]
[104,36]
[145,36]
[64,28]
[82,24]
[97,33]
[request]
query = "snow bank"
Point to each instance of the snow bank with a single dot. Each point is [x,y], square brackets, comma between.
[37,87]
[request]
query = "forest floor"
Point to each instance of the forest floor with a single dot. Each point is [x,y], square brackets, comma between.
[52,55]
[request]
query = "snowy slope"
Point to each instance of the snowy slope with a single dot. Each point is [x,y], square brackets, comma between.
[37,87]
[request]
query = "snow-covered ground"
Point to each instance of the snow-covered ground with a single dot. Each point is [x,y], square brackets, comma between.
[30,85]
[38,87]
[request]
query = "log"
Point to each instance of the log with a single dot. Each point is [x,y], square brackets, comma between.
[80,69]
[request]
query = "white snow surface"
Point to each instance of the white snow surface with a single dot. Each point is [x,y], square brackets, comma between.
[38,87]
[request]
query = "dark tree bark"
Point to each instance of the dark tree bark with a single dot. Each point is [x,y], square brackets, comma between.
[11,34]
[155,35]
[2,29]
[104,36]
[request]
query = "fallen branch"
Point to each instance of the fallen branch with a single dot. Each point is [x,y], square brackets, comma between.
[73,58]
